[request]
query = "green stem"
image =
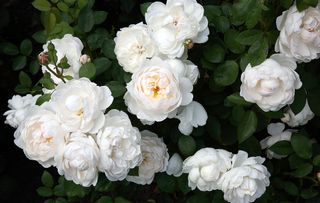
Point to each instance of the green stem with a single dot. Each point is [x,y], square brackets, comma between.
[55,74]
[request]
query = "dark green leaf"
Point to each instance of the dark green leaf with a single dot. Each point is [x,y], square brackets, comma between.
[314,101]
[44,191]
[42,5]
[64,63]
[165,182]
[102,64]
[230,39]
[299,101]
[258,52]
[20,89]
[108,48]
[34,67]
[121,200]
[49,21]
[226,73]
[144,7]
[47,179]
[214,53]
[117,88]
[40,37]
[187,145]
[9,48]
[221,23]
[47,82]
[99,17]
[309,193]
[42,99]
[248,37]
[301,145]
[282,148]
[211,12]
[61,200]
[73,190]
[291,188]
[247,126]
[316,160]
[19,62]
[134,171]
[303,170]
[24,79]
[86,19]
[236,99]
[183,183]
[295,161]
[63,7]
[104,199]
[87,70]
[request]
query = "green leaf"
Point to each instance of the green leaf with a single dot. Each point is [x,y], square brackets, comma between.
[198,198]
[49,21]
[73,190]
[165,182]
[24,79]
[247,126]
[258,52]
[63,7]
[102,64]
[316,160]
[9,48]
[117,88]
[144,7]
[99,17]
[86,19]
[134,171]
[214,53]
[64,63]
[301,145]
[104,199]
[295,161]
[42,99]
[286,3]
[291,188]
[47,179]
[303,170]
[44,192]
[211,12]
[183,183]
[248,37]
[230,39]
[108,48]
[34,67]
[236,99]
[301,5]
[121,200]
[26,47]
[19,62]
[226,74]
[252,146]
[187,145]
[58,190]
[221,23]
[61,200]
[40,37]
[47,81]
[41,5]
[253,16]
[309,193]
[87,70]
[21,89]
[282,148]
[299,101]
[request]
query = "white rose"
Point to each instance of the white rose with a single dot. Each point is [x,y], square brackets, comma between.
[302,118]
[192,115]
[174,165]
[133,46]
[277,134]
[176,22]
[299,34]
[19,109]
[246,180]
[205,168]
[185,68]
[157,90]
[78,160]
[154,158]
[40,136]
[69,47]
[119,145]
[84,59]
[271,85]
[80,104]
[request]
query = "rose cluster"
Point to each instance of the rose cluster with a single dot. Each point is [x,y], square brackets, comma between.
[241,178]
[272,84]
[72,130]
[156,55]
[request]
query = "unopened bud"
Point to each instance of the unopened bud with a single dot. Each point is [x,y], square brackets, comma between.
[84,59]
[188,43]
[318,175]
[43,58]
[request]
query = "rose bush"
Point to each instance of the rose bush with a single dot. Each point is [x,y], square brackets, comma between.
[162,101]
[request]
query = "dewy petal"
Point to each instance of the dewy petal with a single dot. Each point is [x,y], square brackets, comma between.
[275,128]
[186,89]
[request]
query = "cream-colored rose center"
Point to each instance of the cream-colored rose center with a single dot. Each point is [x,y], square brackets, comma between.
[139,49]
[39,136]
[74,104]
[156,86]
[268,87]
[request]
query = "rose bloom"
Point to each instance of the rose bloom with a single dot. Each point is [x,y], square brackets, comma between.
[174,165]
[157,90]
[40,136]
[69,47]
[174,23]
[133,46]
[276,130]
[272,84]
[78,160]
[299,33]
[246,180]
[119,145]
[80,105]
[192,115]
[19,109]
[205,168]
[301,118]
[154,158]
